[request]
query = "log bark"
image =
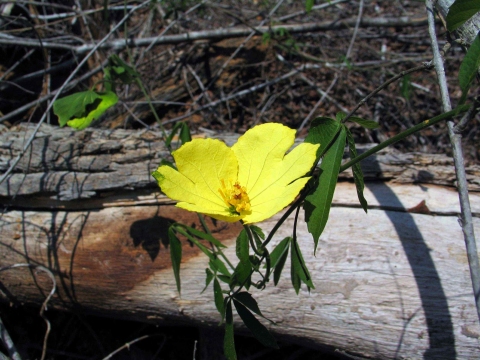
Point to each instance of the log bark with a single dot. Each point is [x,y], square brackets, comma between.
[390,284]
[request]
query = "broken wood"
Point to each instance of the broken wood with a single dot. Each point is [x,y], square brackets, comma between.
[390,283]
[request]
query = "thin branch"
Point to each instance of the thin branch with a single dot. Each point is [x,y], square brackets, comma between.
[424,66]
[128,344]
[59,91]
[456,142]
[355,31]
[216,34]
[10,346]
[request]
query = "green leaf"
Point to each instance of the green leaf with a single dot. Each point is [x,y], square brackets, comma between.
[175,255]
[120,70]
[218,297]
[279,250]
[247,299]
[242,247]
[368,124]
[299,267]
[241,275]
[357,171]
[317,205]
[309,5]
[257,231]
[180,229]
[339,116]
[406,87]
[322,131]
[80,109]
[460,11]
[204,236]
[218,265]
[208,278]
[277,271]
[229,339]
[184,134]
[469,67]
[258,330]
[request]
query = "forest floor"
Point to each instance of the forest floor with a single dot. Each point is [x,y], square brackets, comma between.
[221,82]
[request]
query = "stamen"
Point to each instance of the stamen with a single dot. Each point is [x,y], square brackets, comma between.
[235,197]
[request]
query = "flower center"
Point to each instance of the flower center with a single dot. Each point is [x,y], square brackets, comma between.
[235,196]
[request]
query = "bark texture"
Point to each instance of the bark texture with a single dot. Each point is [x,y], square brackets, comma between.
[390,284]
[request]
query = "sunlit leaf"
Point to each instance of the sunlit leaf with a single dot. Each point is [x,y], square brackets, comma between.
[317,205]
[175,255]
[204,236]
[322,131]
[258,330]
[460,11]
[279,250]
[80,109]
[242,246]
[357,171]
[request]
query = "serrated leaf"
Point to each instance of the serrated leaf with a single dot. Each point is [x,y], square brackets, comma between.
[317,205]
[323,131]
[218,297]
[258,330]
[469,67]
[367,124]
[257,231]
[460,11]
[229,339]
[80,109]
[299,267]
[175,255]
[357,171]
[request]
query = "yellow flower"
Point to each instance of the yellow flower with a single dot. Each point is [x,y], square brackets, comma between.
[251,181]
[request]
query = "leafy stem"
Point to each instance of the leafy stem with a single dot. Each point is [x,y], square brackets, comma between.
[424,124]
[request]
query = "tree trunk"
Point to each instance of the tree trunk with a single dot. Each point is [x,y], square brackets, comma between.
[393,283]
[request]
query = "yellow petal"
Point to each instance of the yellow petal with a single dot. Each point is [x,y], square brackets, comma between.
[201,164]
[259,151]
[283,183]
[266,172]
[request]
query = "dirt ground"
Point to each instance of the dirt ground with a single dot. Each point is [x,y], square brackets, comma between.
[223,83]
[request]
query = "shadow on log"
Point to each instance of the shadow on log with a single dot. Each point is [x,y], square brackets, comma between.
[390,284]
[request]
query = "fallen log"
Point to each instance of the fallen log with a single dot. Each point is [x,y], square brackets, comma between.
[393,283]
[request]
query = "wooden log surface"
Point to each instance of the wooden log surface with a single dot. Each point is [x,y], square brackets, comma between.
[393,283]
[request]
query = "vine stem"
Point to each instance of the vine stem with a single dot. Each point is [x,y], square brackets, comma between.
[423,125]
[466,222]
